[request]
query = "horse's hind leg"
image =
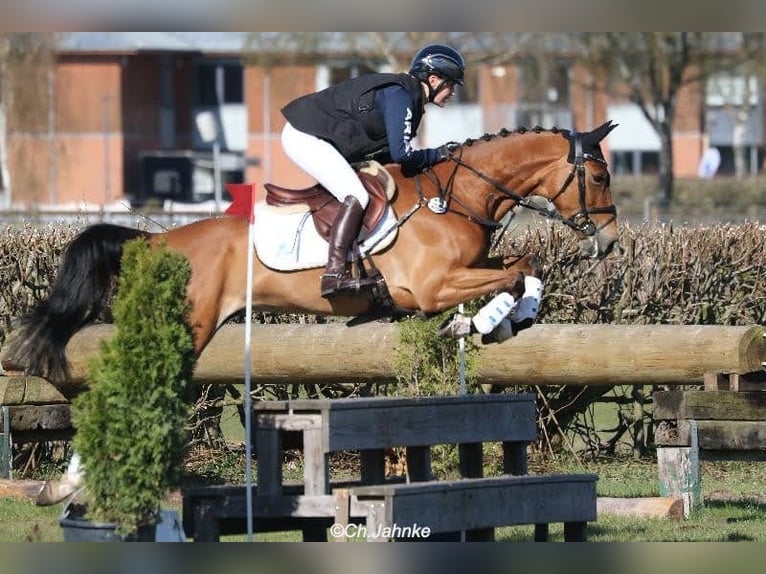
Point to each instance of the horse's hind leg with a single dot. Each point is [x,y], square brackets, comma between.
[55,491]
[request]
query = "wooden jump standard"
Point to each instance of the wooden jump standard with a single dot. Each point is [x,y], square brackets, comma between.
[543,355]
[473,503]
[692,426]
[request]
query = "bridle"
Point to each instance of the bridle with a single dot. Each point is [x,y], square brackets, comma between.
[579,221]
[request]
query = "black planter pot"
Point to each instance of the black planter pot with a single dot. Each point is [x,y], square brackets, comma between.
[77,528]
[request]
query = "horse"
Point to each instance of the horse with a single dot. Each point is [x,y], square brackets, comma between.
[435,255]
[444,219]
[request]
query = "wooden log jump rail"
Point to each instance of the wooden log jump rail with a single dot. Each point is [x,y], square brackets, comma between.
[582,355]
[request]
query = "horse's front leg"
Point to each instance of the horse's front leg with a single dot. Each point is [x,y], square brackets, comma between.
[465,283]
[513,309]
[525,313]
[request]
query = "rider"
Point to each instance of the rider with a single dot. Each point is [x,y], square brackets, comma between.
[372,116]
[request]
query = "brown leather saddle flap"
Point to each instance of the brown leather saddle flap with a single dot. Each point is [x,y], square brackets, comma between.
[324,207]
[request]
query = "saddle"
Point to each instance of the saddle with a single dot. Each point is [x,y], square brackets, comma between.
[324,207]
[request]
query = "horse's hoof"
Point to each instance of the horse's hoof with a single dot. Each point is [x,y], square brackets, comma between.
[55,491]
[504,331]
[521,325]
[456,327]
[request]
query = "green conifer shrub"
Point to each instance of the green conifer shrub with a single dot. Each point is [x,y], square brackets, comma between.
[132,422]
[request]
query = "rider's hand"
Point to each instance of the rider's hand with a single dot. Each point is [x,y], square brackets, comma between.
[445,151]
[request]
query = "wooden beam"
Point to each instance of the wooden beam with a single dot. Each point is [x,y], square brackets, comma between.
[39,418]
[709,405]
[649,507]
[715,435]
[21,390]
[21,489]
[542,355]
[732,435]
[679,472]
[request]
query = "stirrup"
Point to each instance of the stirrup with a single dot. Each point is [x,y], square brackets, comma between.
[345,283]
[330,290]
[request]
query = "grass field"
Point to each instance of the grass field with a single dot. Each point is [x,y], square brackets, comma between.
[734,493]
[734,510]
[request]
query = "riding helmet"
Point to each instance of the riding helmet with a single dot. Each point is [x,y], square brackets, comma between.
[438,59]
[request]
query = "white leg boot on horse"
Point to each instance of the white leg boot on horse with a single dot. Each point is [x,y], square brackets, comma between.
[501,318]
[522,316]
[485,321]
[55,491]
[336,278]
[526,311]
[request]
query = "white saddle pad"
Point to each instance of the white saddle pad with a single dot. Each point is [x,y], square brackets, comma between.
[286,239]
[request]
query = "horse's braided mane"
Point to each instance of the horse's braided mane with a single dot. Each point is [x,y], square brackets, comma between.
[503,132]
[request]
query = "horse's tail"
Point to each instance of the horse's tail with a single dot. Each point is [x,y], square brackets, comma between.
[76,298]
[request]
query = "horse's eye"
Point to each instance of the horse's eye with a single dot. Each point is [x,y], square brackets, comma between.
[599,178]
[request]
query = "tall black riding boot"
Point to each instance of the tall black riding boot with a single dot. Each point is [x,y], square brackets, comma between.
[345,229]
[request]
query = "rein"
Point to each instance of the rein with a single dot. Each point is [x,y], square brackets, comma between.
[580,221]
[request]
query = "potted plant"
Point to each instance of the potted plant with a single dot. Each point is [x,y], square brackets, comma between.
[132,422]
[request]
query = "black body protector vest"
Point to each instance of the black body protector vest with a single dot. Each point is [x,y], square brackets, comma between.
[345,115]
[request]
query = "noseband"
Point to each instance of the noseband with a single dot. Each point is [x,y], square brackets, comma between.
[580,221]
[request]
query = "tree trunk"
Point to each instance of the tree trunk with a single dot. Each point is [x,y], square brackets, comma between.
[738,142]
[665,175]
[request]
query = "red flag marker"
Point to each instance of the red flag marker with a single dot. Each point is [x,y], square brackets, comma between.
[242,200]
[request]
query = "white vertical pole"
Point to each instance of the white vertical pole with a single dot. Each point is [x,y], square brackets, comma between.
[267,124]
[461,373]
[461,356]
[217,192]
[248,339]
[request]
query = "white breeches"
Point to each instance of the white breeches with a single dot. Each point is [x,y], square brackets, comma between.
[324,163]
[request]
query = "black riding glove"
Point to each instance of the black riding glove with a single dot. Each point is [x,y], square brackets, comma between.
[445,151]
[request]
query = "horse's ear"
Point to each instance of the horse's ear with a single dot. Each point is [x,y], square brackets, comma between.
[603,130]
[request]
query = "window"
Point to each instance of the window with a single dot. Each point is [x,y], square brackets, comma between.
[634,162]
[343,71]
[219,83]
[728,89]
[753,157]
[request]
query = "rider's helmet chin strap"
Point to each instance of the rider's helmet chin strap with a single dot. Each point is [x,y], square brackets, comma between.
[433,92]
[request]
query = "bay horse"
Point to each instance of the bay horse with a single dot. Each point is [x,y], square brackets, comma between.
[439,258]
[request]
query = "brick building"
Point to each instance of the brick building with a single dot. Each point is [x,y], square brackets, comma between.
[130,114]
